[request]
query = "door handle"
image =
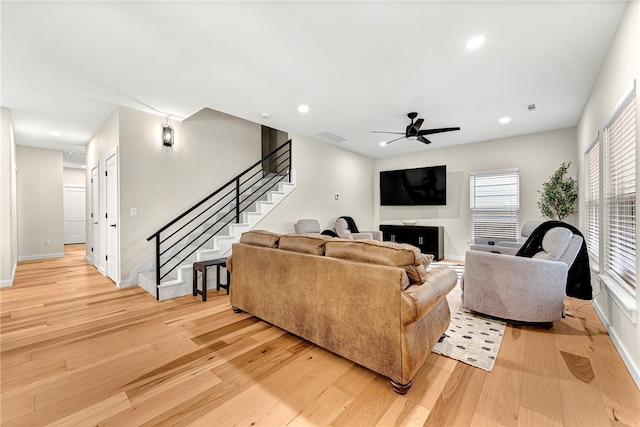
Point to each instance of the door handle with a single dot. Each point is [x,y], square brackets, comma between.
[113,225]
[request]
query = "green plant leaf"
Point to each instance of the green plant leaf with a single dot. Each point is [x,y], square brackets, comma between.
[559,196]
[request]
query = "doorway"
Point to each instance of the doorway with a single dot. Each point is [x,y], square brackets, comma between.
[73,202]
[111,216]
[95,216]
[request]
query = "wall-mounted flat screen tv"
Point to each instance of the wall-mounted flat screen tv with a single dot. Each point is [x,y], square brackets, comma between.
[425,186]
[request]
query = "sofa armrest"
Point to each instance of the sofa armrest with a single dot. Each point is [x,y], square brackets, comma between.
[375,235]
[418,300]
[362,236]
[505,250]
[498,285]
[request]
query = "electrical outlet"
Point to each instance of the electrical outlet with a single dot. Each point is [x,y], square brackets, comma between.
[47,242]
[134,211]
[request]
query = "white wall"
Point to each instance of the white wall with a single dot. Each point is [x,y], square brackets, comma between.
[8,220]
[536,155]
[324,170]
[40,212]
[620,68]
[74,177]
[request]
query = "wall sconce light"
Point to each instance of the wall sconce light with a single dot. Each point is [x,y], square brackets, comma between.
[167,135]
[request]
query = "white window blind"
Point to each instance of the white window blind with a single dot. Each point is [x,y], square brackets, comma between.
[592,204]
[495,204]
[620,137]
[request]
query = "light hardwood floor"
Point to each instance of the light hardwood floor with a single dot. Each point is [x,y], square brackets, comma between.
[78,351]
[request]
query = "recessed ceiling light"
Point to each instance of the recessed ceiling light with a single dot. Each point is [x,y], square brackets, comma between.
[474,42]
[55,133]
[303,108]
[266,115]
[383,143]
[504,120]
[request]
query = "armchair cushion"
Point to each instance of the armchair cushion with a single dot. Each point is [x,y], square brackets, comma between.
[347,229]
[303,226]
[554,243]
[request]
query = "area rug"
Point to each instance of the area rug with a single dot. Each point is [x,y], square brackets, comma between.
[470,338]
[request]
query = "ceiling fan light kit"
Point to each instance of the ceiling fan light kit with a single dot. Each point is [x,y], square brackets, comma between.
[413,131]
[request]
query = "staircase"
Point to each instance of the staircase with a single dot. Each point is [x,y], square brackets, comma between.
[209,228]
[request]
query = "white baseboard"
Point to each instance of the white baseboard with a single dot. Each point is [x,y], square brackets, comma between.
[7,283]
[631,365]
[102,271]
[126,283]
[44,256]
[88,260]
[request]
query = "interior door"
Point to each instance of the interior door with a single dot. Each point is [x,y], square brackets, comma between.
[74,206]
[95,216]
[111,216]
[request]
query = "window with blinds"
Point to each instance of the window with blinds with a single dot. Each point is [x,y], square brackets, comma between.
[592,204]
[495,204]
[620,202]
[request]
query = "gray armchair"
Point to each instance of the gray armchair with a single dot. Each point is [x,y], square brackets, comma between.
[519,288]
[343,231]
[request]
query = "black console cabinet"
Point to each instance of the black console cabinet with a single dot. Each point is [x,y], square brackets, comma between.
[430,240]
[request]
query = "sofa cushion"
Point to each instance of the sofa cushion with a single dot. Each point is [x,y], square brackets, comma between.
[382,253]
[262,238]
[306,244]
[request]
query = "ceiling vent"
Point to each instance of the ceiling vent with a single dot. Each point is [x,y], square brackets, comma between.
[331,136]
[531,107]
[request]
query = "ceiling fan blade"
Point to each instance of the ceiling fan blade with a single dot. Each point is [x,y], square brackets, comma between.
[423,140]
[432,131]
[393,140]
[418,123]
[382,131]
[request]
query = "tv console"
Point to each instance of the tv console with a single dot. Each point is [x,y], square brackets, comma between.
[430,240]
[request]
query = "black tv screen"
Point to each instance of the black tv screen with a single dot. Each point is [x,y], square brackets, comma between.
[420,186]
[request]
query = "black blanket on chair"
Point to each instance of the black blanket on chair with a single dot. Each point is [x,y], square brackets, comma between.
[579,278]
[351,224]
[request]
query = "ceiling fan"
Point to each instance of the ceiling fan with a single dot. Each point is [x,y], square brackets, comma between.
[413,131]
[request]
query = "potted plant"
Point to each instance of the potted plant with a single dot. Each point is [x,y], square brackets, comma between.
[559,195]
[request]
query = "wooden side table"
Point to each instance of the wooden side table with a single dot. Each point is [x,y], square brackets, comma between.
[202,267]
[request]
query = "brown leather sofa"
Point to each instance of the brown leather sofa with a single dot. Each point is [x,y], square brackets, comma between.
[371,302]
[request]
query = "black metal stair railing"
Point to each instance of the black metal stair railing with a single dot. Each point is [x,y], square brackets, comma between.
[195,227]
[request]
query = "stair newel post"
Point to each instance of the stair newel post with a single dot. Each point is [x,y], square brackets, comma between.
[290,158]
[158,267]
[238,200]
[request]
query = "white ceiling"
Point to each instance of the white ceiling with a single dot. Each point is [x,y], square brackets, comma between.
[360,65]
